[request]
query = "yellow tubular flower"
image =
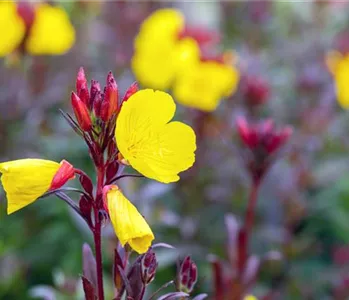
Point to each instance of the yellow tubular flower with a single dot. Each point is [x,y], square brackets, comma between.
[51,33]
[129,225]
[250,297]
[25,180]
[155,148]
[339,67]
[204,85]
[12,28]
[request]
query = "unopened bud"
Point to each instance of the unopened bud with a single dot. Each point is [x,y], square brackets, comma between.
[65,172]
[148,266]
[256,90]
[130,91]
[81,112]
[85,207]
[81,81]
[97,103]
[110,103]
[187,276]
[95,88]
[86,183]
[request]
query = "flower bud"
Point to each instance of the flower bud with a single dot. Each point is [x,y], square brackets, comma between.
[85,207]
[130,91]
[81,81]
[110,103]
[187,276]
[97,103]
[256,90]
[81,112]
[95,88]
[148,266]
[86,183]
[64,173]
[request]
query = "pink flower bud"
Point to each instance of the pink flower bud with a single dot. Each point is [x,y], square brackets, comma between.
[110,103]
[148,266]
[187,276]
[81,81]
[256,90]
[81,112]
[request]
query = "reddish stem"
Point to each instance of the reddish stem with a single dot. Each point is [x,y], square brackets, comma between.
[97,232]
[250,213]
[245,232]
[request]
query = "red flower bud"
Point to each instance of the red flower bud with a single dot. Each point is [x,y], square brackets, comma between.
[130,91]
[148,266]
[81,81]
[110,103]
[85,207]
[95,88]
[97,103]
[64,173]
[187,275]
[81,112]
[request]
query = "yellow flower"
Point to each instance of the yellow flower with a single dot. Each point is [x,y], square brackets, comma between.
[203,85]
[339,67]
[165,62]
[152,145]
[51,33]
[12,28]
[157,48]
[25,180]
[129,225]
[250,297]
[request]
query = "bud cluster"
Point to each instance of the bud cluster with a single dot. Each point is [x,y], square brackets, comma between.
[187,275]
[263,141]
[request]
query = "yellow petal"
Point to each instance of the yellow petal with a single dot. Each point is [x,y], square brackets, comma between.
[25,180]
[332,59]
[12,28]
[250,297]
[152,146]
[51,33]
[204,85]
[158,53]
[341,77]
[129,225]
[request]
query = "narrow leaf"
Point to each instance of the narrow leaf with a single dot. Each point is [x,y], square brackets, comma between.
[200,297]
[88,289]
[89,264]
[173,296]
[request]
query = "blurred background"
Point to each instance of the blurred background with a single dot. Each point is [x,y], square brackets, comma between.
[302,218]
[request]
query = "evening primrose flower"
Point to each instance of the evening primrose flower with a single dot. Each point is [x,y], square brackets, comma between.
[203,85]
[43,29]
[129,225]
[173,53]
[149,142]
[12,28]
[158,48]
[25,180]
[338,65]
[51,32]
[250,297]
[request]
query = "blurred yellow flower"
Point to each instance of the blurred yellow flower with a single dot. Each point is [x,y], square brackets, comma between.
[129,225]
[51,33]
[25,180]
[250,297]
[154,146]
[339,67]
[12,28]
[203,85]
[167,56]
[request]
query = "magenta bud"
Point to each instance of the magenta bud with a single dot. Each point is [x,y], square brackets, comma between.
[256,90]
[97,103]
[81,81]
[148,266]
[81,112]
[95,88]
[187,276]
[130,91]
[26,11]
